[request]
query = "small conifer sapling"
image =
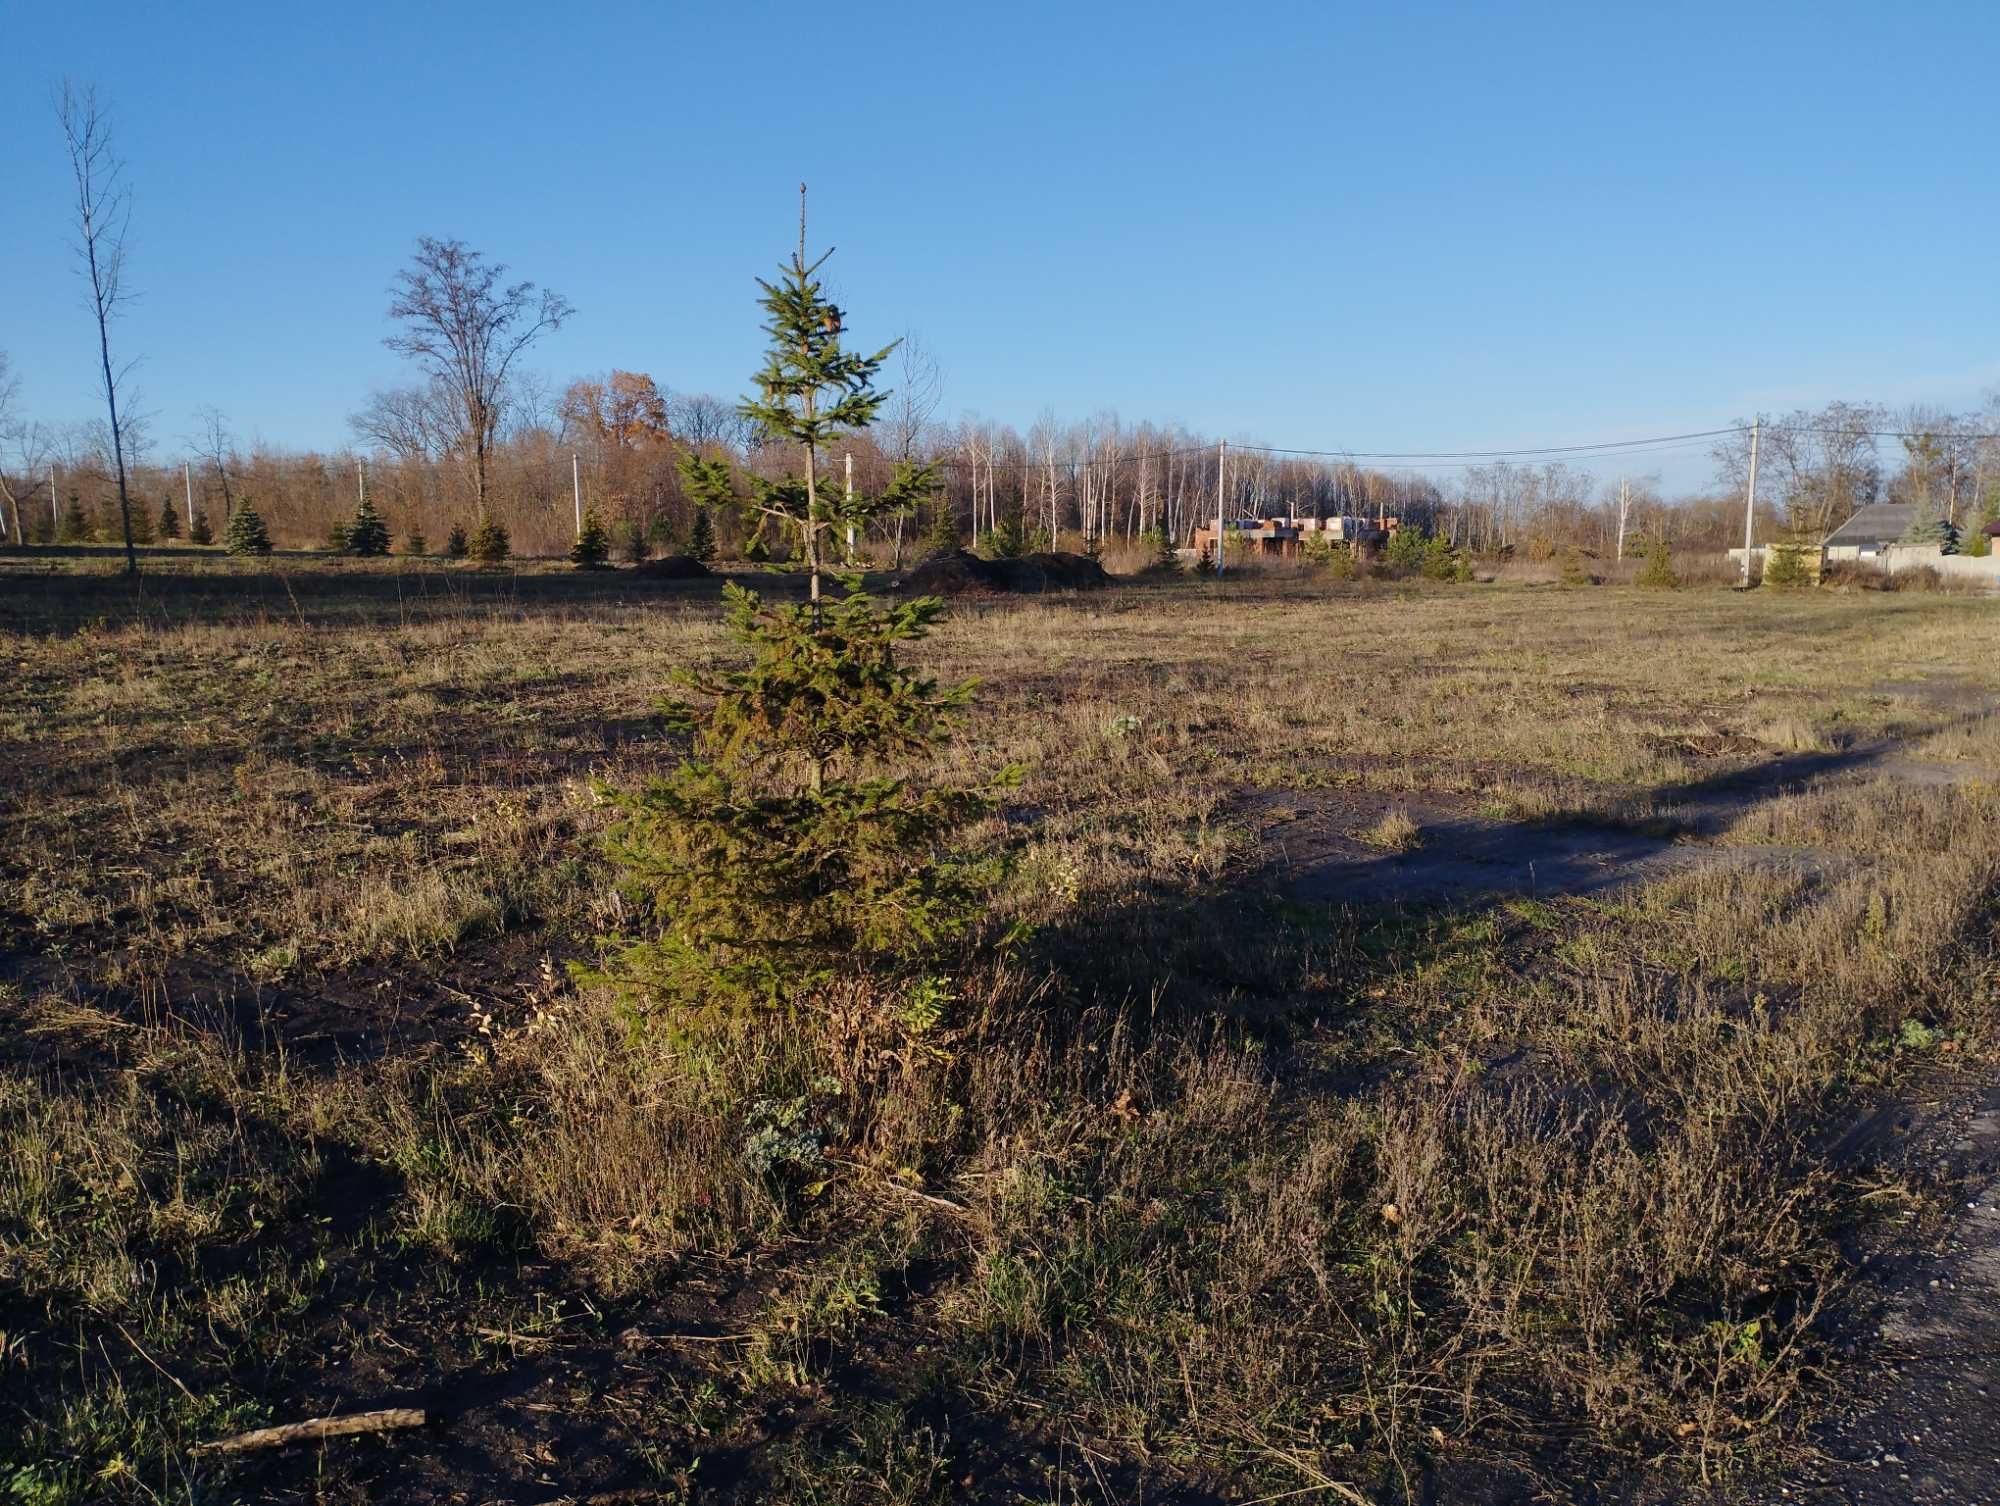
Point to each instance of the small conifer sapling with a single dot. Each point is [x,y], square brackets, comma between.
[246,533]
[788,861]
[367,534]
[592,549]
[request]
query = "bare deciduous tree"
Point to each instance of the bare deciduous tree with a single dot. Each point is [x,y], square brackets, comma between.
[103,210]
[701,421]
[913,404]
[411,423]
[465,327]
[1823,462]
[12,428]
[217,446]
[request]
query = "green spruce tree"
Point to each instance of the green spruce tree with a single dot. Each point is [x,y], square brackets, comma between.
[170,522]
[942,535]
[1161,556]
[1404,553]
[367,534]
[489,544]
[415,545]
[1657,573]
[701,536]
[456,544]
[633,544]
[1785,562]
[787,855]
[246,533]
[1929,527]
[592,549]
[198,531]
[1010,540]
[75,527]
[1440,560]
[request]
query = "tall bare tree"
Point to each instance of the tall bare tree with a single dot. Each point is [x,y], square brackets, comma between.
[465,327]
[13,433]
[217,446]
[103,211]
[912,406]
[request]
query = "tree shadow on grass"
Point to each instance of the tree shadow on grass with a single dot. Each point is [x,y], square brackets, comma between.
[1460,857]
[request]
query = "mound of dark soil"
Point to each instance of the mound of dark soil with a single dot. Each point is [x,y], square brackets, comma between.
[963,574]
[674,567]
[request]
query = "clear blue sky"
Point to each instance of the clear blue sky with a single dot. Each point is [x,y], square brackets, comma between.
[1368,226]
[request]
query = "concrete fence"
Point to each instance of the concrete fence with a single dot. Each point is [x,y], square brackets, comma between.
[1950,566]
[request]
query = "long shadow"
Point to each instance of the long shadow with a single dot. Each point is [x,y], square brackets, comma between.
[325,593]
[1586,853]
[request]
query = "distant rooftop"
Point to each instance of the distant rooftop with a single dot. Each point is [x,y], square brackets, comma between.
[1874,525]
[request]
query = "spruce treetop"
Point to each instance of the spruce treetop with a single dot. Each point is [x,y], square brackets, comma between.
[811,389]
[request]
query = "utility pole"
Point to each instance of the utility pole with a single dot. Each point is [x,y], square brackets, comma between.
[360,483]
[1221,468]
[848,462]
[1750,498]
[1624,507]
[187,478]
[55,518]
[576,490]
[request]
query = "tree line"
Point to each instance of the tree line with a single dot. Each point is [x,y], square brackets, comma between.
[479,439]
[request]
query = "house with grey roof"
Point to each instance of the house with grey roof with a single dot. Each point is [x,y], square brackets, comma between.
[1870,532]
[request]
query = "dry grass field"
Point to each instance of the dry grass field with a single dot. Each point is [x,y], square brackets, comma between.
[1430,1042]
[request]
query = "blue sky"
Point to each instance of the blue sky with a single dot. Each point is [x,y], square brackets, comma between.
[1412,227]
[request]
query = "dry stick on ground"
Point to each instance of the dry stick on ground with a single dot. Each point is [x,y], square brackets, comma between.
[315,1428]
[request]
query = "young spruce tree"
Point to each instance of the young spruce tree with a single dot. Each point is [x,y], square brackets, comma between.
[787,860]
[367,534]
[246,533]
[170,522]
[592,549]
[701,536]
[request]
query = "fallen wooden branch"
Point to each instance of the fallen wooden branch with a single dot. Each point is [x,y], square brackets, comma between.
[316,1428]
